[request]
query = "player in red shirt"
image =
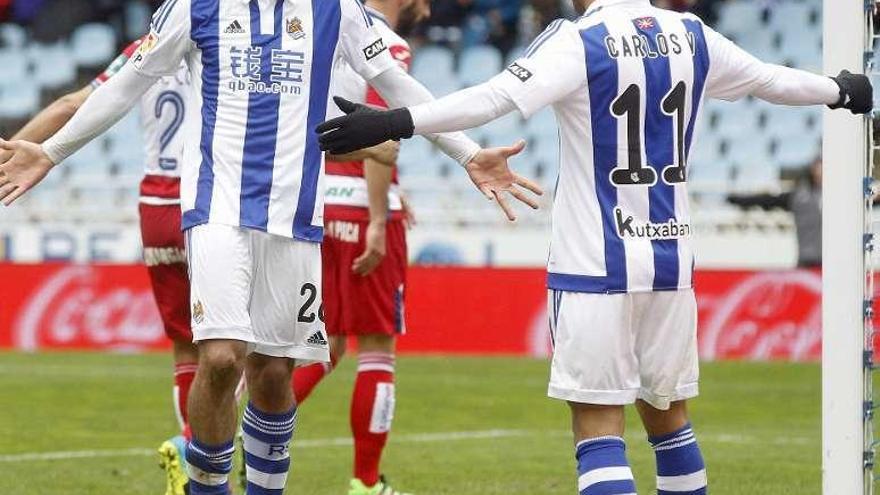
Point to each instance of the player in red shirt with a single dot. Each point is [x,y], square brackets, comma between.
[364,268]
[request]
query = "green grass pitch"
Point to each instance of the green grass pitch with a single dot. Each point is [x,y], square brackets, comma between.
[476,426]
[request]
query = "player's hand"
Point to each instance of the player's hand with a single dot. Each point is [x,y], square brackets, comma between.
[374,252]
[409,214]
[386,153]
[856,92]
[363,127]
[24,170]
[491,174]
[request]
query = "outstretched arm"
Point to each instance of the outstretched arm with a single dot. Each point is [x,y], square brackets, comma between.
[104,108]
[735,73]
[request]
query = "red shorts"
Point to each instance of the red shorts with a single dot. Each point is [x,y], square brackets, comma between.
[165,257]
[356,305]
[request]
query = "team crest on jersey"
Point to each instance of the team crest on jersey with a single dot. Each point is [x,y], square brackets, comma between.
[198,312]
[645,23]
[295,28]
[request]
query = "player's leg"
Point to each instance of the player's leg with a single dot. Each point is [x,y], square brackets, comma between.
[667,349]
[336,260]
[594,369]
[268,423]
[372,405]
[306,378]
[286,311]
[374,310]
[165,258]
[221,267]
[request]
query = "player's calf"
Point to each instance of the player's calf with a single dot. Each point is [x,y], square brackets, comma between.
[306,378]
[680,466]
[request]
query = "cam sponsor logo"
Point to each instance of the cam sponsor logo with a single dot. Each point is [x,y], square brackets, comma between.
[629,228]
[375,49]
[520,72]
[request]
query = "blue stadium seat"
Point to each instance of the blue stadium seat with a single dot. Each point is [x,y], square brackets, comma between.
[12,35]
[479,64]
[543,126]
[137,19]
[792,16]
[431,60]
[418,159]
[90,165]
[797,151]
[15,67]
[94,45]
[739,17]
[18,101]
[54,65]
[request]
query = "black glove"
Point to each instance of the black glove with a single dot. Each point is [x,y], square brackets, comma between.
[856,93]
[363,127]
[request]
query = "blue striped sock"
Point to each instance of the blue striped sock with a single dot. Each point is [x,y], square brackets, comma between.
[603,468]
[680,467]
[266,449]
[208,467]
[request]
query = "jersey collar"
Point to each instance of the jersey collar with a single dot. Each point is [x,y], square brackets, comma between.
[376,15]
[614,3]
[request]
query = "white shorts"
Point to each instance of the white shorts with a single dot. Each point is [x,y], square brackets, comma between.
[258,288]
[612,349]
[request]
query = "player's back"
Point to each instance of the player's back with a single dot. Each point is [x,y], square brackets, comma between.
[621,221]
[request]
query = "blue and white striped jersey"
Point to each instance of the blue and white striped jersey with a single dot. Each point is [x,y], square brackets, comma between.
[626,81]
[261,77]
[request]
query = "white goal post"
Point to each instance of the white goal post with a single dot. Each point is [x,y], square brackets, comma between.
[843,279]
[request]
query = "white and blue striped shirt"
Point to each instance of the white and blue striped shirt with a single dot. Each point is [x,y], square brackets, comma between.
[627,81]
[261,74]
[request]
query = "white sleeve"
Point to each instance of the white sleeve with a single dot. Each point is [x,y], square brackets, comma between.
[552,68]
[399,89]
[103,108]
[362,44]
[735,73]
[465,109]
[168,42]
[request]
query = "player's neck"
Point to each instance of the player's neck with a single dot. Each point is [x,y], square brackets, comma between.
[387,9]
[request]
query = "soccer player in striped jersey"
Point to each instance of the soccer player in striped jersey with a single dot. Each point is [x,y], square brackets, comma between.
[162,110]
[252,198]
[626,81]
[364,266]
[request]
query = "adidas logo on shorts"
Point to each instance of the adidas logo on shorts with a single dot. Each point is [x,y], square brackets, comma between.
[317,338]
[235,28]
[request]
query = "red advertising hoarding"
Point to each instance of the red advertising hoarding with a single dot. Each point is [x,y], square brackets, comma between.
[743,314]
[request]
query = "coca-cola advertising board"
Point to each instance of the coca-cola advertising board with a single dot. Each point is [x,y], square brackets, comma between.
[753,315]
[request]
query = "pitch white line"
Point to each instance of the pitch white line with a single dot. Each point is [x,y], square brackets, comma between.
[438,437]
[297,444]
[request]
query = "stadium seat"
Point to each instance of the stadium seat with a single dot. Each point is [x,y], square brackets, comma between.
[740,17]
[433,59]
[137,19]
[479,64]
[94,45]
[54,65]
[786,14]
[15,67]
[90,165]
[18,101]
[12,35]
